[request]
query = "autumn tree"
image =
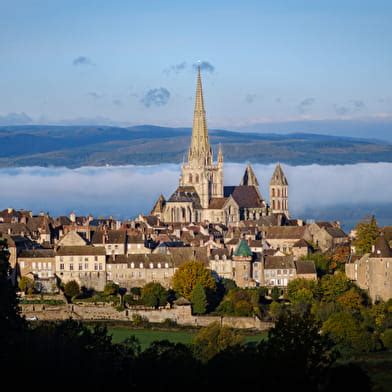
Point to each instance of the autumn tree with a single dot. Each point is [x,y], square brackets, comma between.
[351,300]
[301,290]
[213,339]
[26,285]
[199,299]
[367,233]
[154,295]
[189,275]
[332,286]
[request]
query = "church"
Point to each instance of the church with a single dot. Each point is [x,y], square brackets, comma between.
[201,195]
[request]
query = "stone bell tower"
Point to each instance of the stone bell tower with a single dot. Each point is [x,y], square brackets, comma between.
[279,192]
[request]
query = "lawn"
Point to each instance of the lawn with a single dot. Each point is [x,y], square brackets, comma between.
[147,336]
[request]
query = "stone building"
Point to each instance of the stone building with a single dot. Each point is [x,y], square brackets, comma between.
[325,235]
[201,195]
[222,263]
[279,270]
[242,260]
[286,238]
[37,263]
[114,241]
[373,272]
[279,192]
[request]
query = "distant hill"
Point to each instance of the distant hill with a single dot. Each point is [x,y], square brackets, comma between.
[75,146]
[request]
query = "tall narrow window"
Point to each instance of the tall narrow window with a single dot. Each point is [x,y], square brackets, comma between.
[190,178]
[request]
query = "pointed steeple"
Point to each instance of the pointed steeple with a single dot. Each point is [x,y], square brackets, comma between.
[249,177]
[220,155]
[200,150]
[278,178]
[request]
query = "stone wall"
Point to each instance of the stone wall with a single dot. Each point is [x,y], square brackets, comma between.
[181,315]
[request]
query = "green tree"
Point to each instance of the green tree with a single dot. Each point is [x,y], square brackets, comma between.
[367,233]
[111,288]
[72,289]
[136,291]
[386,338]
[154,295]
[301,290]
[347,333]
[332,286]
[26,285]
[213,339]
[199,299]
[275,293]
[189,274]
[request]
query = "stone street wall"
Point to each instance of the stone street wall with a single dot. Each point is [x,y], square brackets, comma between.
[181,315]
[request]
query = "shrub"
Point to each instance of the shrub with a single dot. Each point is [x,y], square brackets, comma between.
[111,288]
[243,308]
[199,299]
[154,295]
[136,291]
[72,289]
[26,285]
[139,321]
[386,338]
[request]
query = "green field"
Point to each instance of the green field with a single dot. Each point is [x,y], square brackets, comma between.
[147,336]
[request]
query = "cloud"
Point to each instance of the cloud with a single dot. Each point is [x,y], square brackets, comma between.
[156,97]
[250,98]
[176,69]
[204,66]
[41,188]
[351,107]
[81,61]
[305,104]
[15,119]
[95,95]
[117,102]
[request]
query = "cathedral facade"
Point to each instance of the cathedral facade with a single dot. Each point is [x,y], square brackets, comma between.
[201,195]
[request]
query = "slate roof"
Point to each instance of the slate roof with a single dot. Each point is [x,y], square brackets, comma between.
[335,232]
[114,237]
[278,262]
[186,194]
[219,252]
[80,251]
[285,232]
[301,244]
[33,253]
[305,267]
[381,248]
[217,203]
[245,196]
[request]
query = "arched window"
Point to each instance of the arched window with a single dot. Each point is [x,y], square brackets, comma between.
[273,204]
[273,192]
[190,178]
[278,190]
[278,204]
[197,179]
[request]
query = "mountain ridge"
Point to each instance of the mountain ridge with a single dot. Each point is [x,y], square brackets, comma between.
[75,146]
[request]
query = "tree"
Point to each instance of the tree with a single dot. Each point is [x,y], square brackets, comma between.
[199,299]
[212,339]
[26,285]
[275,293]
[189,274]
[72,289]
[347,333]
[367,233]
[386,338]
[136,291]
[301,290]
[351,300]
[111,288]
[154,295]
[332,286]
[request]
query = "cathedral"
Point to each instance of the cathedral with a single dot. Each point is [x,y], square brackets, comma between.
[201,195]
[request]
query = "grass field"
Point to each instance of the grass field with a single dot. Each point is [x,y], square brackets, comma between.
[147,336]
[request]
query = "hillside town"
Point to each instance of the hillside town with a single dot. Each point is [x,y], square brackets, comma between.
[232,230]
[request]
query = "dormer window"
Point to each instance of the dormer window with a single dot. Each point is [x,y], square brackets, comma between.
[151,265]
[132,265]
[141,265]
[159,265]
[166,265]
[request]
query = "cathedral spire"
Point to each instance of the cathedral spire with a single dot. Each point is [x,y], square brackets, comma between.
[200,150]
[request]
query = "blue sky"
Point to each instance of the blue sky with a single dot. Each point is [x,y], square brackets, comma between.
[131,61]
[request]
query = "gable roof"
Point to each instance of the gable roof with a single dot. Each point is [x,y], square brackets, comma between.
[381,248]
[277,262]
[285,232]
[113,237]
[245,196]
[305,267]
[186,194]
[335,232]
[217,203]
